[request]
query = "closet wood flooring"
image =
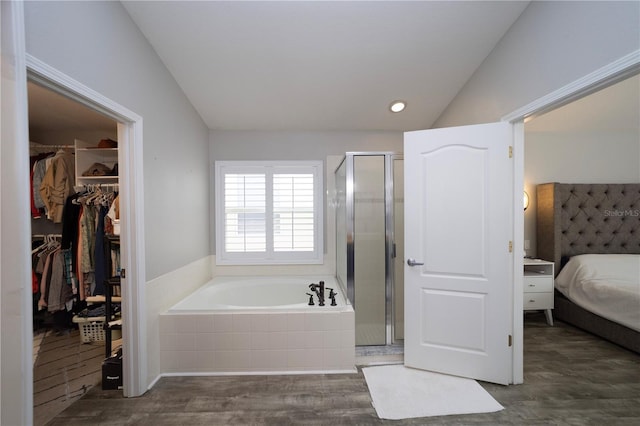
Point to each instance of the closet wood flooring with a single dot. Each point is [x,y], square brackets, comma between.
[64,369]
[571,378]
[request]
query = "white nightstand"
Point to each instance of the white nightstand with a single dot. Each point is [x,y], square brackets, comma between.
[538,287]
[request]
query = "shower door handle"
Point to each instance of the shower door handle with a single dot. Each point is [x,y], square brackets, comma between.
[412,262]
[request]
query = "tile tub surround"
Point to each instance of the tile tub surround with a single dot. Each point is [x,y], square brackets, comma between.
[257,342]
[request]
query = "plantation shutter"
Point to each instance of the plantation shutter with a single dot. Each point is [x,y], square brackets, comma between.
[245,208]
[293,211]
[269,212]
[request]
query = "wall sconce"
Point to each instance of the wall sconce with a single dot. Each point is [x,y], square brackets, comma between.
[526,200]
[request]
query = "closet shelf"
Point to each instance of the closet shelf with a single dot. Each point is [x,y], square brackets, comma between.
[87,155]
[102,299]
[115,324]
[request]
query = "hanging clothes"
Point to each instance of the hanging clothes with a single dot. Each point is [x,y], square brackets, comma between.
[59,293]
[88,211]
[57,184]
[99,256]
[50,275]
[69,243]
[37,171]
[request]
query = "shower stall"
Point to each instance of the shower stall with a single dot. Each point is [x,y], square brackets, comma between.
[369,198]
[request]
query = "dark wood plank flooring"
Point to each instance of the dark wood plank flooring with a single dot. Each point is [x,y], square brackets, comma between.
[571,378]
[64,370]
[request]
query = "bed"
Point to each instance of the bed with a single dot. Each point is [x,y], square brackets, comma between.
[589,219]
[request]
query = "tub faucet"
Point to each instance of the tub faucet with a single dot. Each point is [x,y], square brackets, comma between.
[318,289]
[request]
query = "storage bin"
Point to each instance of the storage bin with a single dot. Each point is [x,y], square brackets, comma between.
[92,329]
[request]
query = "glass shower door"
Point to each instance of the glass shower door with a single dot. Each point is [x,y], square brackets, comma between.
[369,249]
[340,201]
[398,261]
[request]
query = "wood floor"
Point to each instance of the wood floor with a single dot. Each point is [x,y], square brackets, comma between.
[571,378]
[64,369]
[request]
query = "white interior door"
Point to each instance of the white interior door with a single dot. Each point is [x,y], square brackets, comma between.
[458,226]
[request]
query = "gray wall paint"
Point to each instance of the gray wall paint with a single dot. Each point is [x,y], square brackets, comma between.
[293,145]
[576,157]
[97,44]
[551,45]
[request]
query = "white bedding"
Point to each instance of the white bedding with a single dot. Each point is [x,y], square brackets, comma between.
[606,284]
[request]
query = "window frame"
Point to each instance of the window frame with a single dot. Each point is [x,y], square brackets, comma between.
[270,256]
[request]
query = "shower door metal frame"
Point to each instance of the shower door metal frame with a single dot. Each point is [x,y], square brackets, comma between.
[389,158]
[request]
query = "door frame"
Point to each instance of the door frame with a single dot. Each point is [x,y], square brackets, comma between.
[16,354]
[621,69]
[130,162]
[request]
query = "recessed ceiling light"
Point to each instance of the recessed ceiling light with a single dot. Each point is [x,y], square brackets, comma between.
[397,106]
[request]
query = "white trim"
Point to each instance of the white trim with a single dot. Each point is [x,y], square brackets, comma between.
[132,214]
[610,74]
[51,78]
[517,363]
[256,373]
[154,381]
[607,75]
[16,376]
[132,231]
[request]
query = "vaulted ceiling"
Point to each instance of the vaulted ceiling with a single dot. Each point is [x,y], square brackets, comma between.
[299,65]
[329,66]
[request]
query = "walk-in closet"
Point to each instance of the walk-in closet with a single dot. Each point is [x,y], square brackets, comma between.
[75,227]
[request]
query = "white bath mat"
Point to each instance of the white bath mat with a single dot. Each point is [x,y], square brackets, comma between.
[399,392]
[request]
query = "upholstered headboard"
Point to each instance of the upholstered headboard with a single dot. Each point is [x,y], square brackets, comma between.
[577,219]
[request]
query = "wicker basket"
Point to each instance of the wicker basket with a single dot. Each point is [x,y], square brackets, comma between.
[91,329]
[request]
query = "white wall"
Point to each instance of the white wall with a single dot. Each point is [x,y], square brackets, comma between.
[298,145]
[97,44]
[551,45]
[327,146]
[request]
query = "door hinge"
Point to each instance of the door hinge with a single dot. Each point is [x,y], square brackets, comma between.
[510,246]
[510,151]
[123,273]
[510,340]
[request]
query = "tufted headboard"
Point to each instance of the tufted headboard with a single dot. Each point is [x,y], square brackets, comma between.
[577,219]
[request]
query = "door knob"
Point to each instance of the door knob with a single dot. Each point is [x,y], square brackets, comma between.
[412,262]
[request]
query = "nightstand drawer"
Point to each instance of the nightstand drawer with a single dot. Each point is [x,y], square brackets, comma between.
[538,284]
[538,301]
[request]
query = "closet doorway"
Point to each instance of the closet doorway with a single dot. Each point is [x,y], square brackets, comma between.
[69,338]
[131,194]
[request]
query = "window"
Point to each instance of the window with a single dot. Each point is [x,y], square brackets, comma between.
[268,212]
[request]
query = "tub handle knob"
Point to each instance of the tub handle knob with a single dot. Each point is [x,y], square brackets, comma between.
[310,299]
[332,296]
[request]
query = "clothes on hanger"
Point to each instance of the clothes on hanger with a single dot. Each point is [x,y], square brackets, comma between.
[57,184]
[85,225]
[37,169]
[49,274]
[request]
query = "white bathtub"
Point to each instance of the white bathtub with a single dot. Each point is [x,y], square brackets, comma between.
[258,325]
[260,293]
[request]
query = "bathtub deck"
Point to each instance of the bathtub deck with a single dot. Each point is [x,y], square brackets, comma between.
[257,342]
